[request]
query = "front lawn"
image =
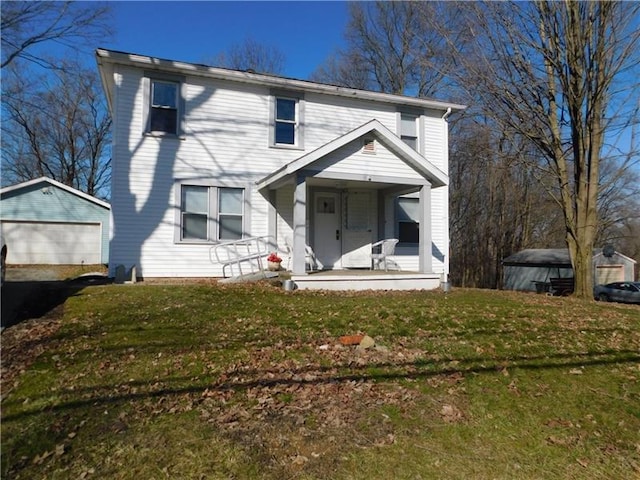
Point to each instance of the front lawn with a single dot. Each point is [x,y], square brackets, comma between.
[204,382]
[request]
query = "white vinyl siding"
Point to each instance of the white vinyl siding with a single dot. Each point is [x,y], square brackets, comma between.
[350,160]
[226,137]
[434,132]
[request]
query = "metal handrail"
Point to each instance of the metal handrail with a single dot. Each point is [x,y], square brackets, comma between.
[249,250]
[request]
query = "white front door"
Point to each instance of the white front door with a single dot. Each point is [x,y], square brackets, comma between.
[327,232]
[359,214]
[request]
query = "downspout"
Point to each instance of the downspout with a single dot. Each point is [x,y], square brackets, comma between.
[446,286]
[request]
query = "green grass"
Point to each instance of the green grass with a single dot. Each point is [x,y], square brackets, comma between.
[203,381]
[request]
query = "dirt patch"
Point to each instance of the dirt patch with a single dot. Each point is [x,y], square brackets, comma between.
[33,274]
[50,273]
[32,291]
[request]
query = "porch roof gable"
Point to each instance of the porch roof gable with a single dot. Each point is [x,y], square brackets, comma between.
[386,137]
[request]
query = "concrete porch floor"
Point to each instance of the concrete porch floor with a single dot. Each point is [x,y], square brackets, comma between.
[363,279]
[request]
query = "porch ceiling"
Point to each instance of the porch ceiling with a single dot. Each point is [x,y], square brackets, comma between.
[348,184]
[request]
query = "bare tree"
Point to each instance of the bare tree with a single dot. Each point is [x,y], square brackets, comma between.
[54,118]
[57,126]
[251,55]
[550,81]
[496,206]
[549,72]
[393,47]
[26,25]
[344,69]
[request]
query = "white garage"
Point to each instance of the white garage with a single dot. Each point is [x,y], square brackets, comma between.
[609,274]
[47,222]
[53,243]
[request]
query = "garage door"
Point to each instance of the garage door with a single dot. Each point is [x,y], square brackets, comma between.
[609,273]
[53,243]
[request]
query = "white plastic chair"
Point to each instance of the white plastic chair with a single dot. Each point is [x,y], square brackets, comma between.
[381,250]
[311,262]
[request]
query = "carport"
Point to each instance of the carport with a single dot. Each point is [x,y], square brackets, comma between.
[532,269]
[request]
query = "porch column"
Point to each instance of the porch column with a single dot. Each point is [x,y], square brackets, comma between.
[272,221]
[298,261]
[424,247]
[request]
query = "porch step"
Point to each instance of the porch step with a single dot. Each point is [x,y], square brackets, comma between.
[249,277]
[390,281]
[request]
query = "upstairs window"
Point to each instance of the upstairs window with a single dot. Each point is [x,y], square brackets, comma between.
[285,121]
[163,115]
[409,130]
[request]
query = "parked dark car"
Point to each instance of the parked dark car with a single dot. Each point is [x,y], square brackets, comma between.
[625,292]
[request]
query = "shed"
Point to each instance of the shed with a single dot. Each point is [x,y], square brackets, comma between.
[531,269]
[47,222]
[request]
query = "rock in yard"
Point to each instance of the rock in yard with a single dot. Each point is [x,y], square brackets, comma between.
[366,342]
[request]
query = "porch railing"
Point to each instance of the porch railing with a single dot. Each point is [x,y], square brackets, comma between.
[247,252]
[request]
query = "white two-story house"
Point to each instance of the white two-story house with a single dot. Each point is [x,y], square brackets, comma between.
[205,155]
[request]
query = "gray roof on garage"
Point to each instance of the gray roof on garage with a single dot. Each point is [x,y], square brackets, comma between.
[540,257]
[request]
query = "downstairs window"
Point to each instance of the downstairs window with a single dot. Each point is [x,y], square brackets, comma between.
[211,213]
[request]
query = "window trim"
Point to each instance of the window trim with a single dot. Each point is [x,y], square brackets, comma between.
[148,81]
[184,213]
[220,214]
[213,215]
[285,121]
[398,220]
[418,123]
[298,98]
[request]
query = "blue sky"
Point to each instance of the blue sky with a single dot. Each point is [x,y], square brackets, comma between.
[305,32]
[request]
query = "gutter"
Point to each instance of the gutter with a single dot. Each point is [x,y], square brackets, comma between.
[152,63]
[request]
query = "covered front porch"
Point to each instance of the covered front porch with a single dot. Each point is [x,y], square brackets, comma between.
[334,203]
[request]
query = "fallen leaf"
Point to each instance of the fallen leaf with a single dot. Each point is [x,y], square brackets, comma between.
[450,413]
[553,440]
[300,460]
